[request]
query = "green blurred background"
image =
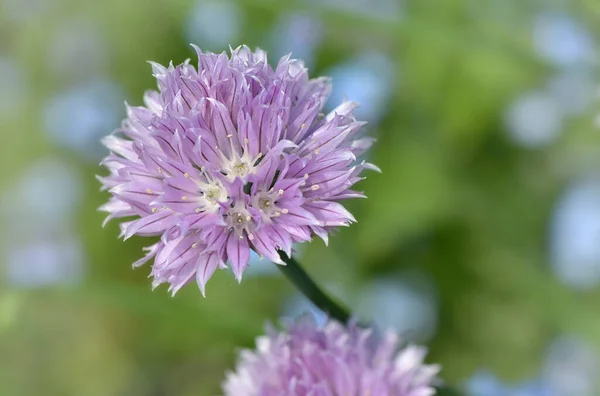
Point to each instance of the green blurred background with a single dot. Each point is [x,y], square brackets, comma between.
[481,238]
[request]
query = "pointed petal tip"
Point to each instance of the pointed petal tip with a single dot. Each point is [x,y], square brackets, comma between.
[199,53]
[106,221]
[202,287]
[237,274]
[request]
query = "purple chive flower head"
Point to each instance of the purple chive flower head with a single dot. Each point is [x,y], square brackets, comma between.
[231,157]
[331,361]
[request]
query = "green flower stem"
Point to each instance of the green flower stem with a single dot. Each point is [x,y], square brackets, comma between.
[296,274]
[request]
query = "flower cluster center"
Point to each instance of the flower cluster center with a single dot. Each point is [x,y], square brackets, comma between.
[266,203]
[239,220]
[213,194]
[241,169]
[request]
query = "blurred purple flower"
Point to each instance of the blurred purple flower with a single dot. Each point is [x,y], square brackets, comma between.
[50,261]
[214,24]
[369,78]
[79,116]
[571,367]
[574,232]
[562,40]
[298,306]
[485,383]
[26,215]
[231,158]
[573,91]
[407,304]
[298,33]
[534,119]
[333,360]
